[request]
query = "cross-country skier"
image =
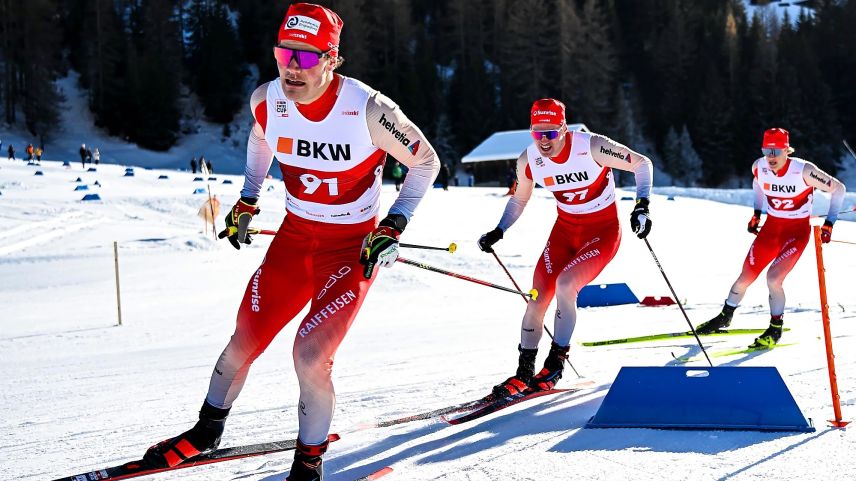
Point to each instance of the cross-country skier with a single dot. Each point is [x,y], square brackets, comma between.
[786,185]
[330,135]
[577,168]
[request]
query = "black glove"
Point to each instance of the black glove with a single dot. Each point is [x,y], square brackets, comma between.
[754,223]
[640,219]
[238,221]
[380,247]
[487,241]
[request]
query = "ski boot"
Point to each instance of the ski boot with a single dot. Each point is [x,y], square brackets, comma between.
[520,381]
[203,437]
[547,378]
[771,336]
[722,320]
[307,462]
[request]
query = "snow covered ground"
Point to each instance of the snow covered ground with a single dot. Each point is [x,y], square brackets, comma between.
[79,393]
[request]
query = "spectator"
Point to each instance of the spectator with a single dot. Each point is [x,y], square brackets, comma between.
[193,164]
[444,176]
[82,152]
[471,178]
[11,152]
[96,156]
[29,151]
[39,152]
[210,167]
[397,174]
[89,156]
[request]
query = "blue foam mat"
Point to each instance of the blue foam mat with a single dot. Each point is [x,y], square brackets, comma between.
[733,398]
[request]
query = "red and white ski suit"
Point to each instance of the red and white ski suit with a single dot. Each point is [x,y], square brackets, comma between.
[788,197]
[586,234]
[331,155]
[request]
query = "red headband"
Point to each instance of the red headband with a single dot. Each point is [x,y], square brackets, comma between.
[547,111]
[313,24]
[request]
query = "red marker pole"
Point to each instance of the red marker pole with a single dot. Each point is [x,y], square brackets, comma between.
[827,333]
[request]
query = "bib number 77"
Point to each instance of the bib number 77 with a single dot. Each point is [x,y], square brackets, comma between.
[575,197]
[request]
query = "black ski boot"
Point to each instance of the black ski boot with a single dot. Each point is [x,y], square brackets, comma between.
[307,462]
[520,381]
[547,378]
[721,321]
[203,437]
[771,336]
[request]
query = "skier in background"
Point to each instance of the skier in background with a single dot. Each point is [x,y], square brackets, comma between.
[786,186]
[577,168]
[330,242]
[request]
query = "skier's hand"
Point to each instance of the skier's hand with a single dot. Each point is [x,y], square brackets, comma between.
[238,221]
[380,247]
[640,219]
[754,223]
[826,232]
[487,241]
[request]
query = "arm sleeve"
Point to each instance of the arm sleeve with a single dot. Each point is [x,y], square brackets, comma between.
[516,204]
[610,153]
[819,179]
[259,154]
[758,200]
[393,132]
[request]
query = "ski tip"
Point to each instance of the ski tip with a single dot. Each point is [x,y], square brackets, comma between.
[379,473]
[333,437]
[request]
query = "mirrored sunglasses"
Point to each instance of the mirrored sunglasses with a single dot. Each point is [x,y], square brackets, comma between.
[772,152]
[305,59]
[541,134]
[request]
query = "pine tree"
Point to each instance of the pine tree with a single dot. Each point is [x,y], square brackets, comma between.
[215,67]
[154,75]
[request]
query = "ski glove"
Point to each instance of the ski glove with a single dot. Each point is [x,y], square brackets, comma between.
[238,221]
[755,223]
[640,219]
[826,232]
[487,241]
[380,247]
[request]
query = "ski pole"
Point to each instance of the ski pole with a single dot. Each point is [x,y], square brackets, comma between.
[254,230]
[568,359]
[533,294]
[845,211]
[843,242]
[451,249]
[848,148]
[678,301]
[210,202]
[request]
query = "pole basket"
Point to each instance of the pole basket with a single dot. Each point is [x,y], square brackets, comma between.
[827,332]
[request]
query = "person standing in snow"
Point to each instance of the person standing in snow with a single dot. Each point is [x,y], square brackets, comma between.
[30,152]
[330,242]
[577,168]
[193,165]
[786,186]
[397,175]
[11,151]
[96,156]
[82,152]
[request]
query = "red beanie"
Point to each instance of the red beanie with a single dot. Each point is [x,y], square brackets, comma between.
[547,111]
[776,139]
[313,24]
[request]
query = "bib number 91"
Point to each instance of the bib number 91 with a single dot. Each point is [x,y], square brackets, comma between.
[312,183]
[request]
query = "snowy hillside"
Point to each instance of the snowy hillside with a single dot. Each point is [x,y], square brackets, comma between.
[79,393]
